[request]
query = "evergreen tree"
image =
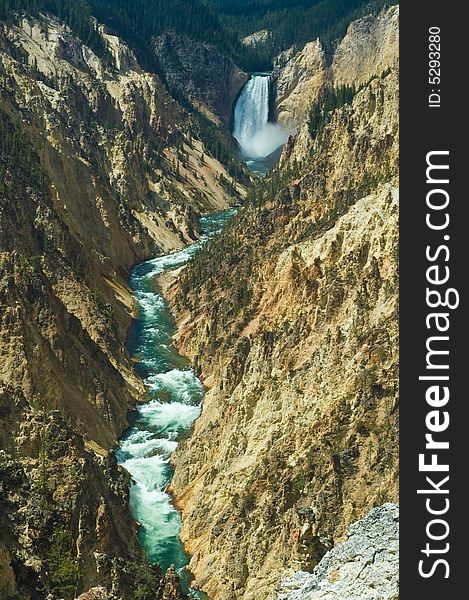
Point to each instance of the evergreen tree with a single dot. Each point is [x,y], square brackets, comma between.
[290,23]
[222,23]
[321,110]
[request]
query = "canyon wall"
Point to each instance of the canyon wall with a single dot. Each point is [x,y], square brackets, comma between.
[201,73]
[370,46]
[100,169]
[291,318]
[299,78]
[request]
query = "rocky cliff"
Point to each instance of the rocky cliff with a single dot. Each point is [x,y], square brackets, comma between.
[291,320]
[370,46]
[299,78]
[99,169]
[210,80]
[364,566]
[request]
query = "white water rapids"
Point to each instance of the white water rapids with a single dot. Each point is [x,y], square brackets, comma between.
[256,136]
[174,395]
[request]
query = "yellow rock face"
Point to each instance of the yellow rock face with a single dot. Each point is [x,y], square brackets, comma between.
[292,320]
[370,46]
[107,172]
[118,191]
[299,82]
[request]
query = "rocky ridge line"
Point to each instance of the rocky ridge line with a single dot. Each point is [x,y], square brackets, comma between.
[370,46]
[365,567]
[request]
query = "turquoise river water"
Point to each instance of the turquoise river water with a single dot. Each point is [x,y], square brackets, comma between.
[174,395]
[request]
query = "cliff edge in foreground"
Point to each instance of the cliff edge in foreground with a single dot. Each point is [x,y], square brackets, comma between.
[365,567]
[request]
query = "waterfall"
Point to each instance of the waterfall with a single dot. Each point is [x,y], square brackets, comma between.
[256,136]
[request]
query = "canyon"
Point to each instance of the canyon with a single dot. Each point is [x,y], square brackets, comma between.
[290,318]
[285,321]
[107,173]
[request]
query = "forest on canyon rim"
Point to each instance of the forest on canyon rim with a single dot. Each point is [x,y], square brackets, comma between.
[144,265]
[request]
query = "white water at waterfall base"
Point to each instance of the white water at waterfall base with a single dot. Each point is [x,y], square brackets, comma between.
[174,396]
[258,138]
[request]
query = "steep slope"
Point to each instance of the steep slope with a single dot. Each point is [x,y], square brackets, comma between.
[272,26]
[185,41]
[201,73]
[370,46]
[299,79]
[100,168]
[122,184]
[291,319]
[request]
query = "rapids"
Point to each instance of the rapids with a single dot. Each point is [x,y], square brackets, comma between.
[174,395]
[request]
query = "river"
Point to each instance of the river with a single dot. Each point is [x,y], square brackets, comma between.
[174,393]
[174,396]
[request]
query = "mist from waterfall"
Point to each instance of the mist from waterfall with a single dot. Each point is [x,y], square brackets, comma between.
[256,136]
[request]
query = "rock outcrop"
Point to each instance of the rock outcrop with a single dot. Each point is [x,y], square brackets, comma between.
[370,47]
[99,169]
[298,83]
[365,567]
[258,38]
[67,523]
[291,320]
[201,73]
